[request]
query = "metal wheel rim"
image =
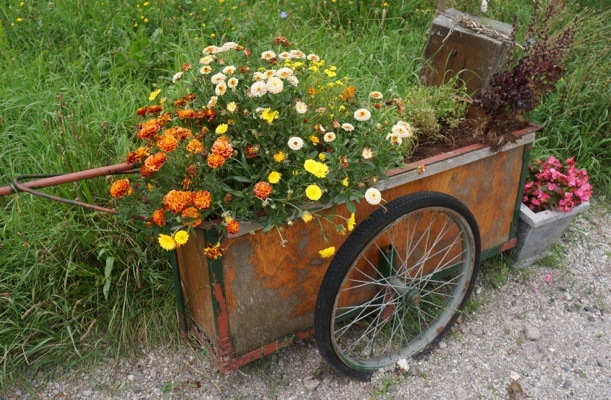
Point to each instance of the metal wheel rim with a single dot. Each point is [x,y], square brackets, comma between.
[459,285]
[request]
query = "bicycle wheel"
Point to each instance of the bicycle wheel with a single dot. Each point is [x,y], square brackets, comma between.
[397,283]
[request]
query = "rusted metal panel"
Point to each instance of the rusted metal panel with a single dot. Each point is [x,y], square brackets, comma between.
[195,283]
[270,281]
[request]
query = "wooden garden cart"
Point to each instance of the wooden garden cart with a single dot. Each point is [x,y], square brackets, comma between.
[396,284]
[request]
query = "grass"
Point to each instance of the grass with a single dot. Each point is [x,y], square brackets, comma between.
[76,285]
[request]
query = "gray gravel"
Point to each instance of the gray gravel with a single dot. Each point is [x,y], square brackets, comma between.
[544,333]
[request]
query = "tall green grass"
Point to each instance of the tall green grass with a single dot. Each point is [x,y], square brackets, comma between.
[77,285]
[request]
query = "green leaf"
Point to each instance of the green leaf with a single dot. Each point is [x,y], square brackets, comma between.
[110,262]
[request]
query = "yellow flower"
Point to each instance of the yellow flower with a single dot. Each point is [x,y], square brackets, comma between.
[181,237]
[313,192]
[166,242]
[222,128]
[345,182]
[314,139]
[351,222]
[274,177]
[328,252]
[316,168]
[279,156]
[154,94]
[307,217]
[269,115]
[322,157]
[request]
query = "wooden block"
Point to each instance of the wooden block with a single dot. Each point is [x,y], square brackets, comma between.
[453,48]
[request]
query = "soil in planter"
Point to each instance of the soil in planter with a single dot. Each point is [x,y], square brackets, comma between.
[476,128]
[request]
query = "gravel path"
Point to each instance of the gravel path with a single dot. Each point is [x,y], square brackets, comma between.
[542,333]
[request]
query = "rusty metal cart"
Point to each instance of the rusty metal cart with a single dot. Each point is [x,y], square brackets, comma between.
[395,286]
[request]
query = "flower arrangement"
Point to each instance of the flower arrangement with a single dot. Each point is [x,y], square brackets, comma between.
[267,135]
[553,185]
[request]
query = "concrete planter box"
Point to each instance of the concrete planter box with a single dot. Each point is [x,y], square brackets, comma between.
[537,232]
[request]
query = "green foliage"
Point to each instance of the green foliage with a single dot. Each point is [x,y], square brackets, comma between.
[76,285]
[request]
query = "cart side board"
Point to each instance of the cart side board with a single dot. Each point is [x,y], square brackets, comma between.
[261,295]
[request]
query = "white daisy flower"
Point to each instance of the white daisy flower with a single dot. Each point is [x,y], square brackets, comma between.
[206,69]
[230,46]
[301,107]
[313,57]
[258,89]
[362,114]
[347,127]
[293,80]
[269,73]
[329,137]
[212,50]
[373,196]
[376,95]
[268,55]
[232,82]
[297,54]
[212,102]
[275,85]
[394,138]
[220,89]
[402,129]
[228,70]
[258,76]
[218,78]
[367,153]
[232,107]
[177,77]
[295,143]
[284,72]
[207,60]
[285,55]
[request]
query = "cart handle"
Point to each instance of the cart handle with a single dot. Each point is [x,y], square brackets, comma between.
[57,179]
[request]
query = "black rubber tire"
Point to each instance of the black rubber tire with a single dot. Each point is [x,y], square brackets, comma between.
[353,250]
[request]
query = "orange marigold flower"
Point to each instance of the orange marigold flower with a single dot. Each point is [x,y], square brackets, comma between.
[155,109]
[252,150]
[191,216]
[186,183]
[153,164]
[262,190]
[222,147]
[179,132]
[141,111]
[185,114]
[163,118]
[213,251]
[189,97]
[210,114]
[348,93]
[232,226]
[177,200]
[167,143]
[136,156]
[148,129]
[195,146]
[180,103]
[228,197]
[186,67]
[158,217]
[215,160]
[202,199]
[120,188]
[191,170]
[279,157]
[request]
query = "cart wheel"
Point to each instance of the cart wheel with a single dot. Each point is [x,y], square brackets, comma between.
[397,284]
